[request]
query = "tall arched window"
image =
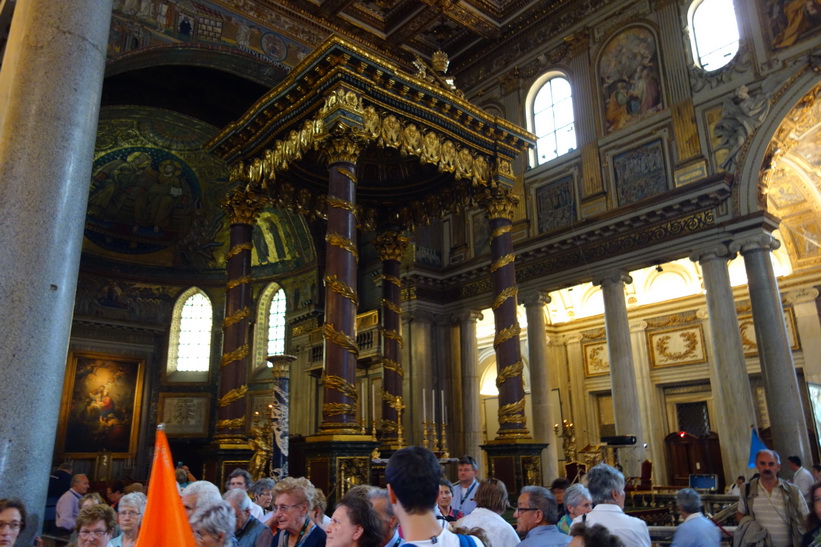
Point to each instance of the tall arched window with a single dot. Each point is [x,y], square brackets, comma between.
[189,349]
[269,334]
[714,33]
[552,119]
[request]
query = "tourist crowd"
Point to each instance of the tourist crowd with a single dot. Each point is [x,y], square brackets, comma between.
[422,508]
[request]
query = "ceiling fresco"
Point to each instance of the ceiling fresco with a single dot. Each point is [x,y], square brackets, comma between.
[154,202]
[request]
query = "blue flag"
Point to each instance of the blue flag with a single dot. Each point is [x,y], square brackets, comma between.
[755,446]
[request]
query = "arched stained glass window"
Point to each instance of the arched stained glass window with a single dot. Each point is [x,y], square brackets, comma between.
[276,324]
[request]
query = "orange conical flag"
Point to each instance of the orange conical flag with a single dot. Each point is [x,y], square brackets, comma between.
[164,522]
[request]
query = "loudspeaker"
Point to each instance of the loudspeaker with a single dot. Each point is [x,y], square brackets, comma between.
[619,440]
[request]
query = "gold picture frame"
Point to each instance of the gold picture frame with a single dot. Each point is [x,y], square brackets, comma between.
[102,397]
[676,346]
[596,358]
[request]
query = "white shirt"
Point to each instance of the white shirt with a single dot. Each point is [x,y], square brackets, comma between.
[804,481]
[631,530]
[497,529]
[445,539]
[257,512]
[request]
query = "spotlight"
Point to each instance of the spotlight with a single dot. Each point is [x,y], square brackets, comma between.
[659,268]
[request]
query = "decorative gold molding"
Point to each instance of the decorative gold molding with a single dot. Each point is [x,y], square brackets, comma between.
[347,173]
[335,409]
[342,242]
[512,413]
[394,401]
[237,316]
[237,249]
[390,364]
[236,423]
[391,306]
[343,149]
[236,355]
[340,339]
[234,395]
[341,288]
[340,203]
[390,279]
[502,262]
[393,335]
[506,293]
[340,384]
[232,283]
[498,202]
[500,231]
[510,371]
[506,334]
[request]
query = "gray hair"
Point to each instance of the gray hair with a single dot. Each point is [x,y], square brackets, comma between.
[299,487]
[773,453]
[205,491]
[262,485]
[239,497]
[574,495]
[542,499]
[216,518]
[136,500]
[375,493]
[689,500]
[602,481]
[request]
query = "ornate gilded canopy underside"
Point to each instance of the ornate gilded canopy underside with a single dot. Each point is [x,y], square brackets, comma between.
[421,149]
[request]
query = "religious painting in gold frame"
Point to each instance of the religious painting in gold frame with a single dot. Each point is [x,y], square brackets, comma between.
[102,394]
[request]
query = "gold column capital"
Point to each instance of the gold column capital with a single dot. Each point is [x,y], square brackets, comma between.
[242,206]
[498,203]
[391,245]
[344,147]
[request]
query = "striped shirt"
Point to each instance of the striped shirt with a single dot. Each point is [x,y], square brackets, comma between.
[771,513]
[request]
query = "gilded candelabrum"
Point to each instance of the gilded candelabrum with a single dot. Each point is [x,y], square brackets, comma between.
[567,433]
[445,453]
[425,434]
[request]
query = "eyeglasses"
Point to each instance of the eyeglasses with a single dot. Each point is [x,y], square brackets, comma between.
[129,513]
[85,534]
[523,509]
[283,508]
[13,525]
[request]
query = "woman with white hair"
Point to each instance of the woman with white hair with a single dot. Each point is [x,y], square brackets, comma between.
[214,524]
[293,500]
[577,501]
[129,517]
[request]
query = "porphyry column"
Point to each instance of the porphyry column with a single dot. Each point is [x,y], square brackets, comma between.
[787,421]
[391,244]
[242,209]
[498,204]
[622,373]
[729,379]
[50,88]
[342,256]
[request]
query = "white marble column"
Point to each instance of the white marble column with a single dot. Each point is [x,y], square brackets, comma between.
[728,376]
[419,369]
[50,87]
[622,373]
[789,428]
[471,404]
[540,381]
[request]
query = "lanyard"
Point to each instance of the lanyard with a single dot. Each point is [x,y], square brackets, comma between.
[301,533]
[467,494]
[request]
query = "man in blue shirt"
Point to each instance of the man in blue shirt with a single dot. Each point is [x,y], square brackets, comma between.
[695,530]
[536,516]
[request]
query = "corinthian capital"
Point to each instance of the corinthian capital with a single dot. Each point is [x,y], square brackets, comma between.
[242,206]
[498,203]
[343,148]
[391,245]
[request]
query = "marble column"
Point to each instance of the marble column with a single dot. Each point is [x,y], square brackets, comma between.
[540,381]
[471,404]
[728,377]
[50,88]
[622,372]
[341,300]
[499,204]
[391,244]
[242,209]
[787,422]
